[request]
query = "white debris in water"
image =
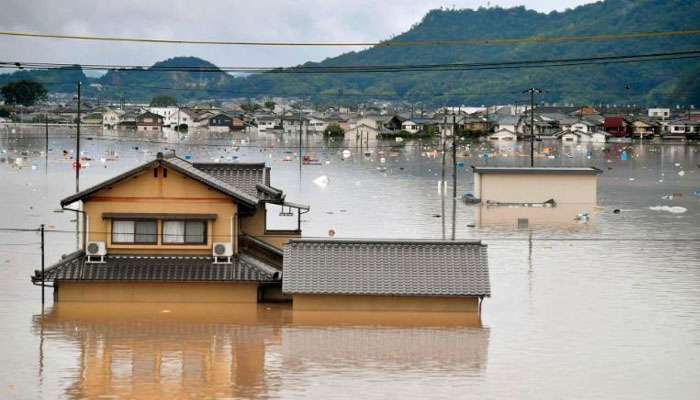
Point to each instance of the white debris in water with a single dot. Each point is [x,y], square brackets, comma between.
[321,181]
[677,164]
[673,210]
[681,173]
[631,179]
[382,160]
[346,153]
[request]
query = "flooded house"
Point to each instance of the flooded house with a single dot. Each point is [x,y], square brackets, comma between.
[386,275]
[518,197]
[148,122]
[171,230]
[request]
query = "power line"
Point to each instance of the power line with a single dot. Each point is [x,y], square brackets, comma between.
[353,69]
[388,43]
[485,238]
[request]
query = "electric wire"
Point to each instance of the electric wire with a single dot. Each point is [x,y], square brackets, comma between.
[387,43]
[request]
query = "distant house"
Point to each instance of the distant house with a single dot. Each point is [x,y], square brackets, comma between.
[386,275]
[220,123]
[92,118]
[365,133]
[148,121]
[579,136]
[504,134]
[111,118]
[507,122]
[616,126]
[411,126]
[659,113]
[267,122]
[393,123]
[237,123]
[683,128]
[169,114]
[317,124]
[295,124]
[583,126]
[476,125]
[517,185]
[642,128]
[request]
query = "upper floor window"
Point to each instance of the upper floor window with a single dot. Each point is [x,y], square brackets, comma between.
[141,231]
[185,232]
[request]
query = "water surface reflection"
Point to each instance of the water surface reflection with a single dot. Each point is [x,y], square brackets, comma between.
[216,350]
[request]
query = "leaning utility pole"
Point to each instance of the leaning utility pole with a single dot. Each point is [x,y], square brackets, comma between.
[532,92]
[46,143]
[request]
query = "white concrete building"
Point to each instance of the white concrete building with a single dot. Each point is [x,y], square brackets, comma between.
[661,113]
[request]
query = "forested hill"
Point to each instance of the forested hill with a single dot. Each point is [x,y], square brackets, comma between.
[669,81]
[659,82]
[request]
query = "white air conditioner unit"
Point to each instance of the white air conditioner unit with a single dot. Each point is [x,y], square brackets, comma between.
[96,252]
[222,252]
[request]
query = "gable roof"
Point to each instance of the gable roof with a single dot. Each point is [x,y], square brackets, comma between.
[386,267]
[176,164]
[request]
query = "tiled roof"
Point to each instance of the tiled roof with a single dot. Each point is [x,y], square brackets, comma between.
[158,268]
[386,267]
[241,175]
[176,164]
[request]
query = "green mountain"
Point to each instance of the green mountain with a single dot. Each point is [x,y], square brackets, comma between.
[144,84]
[658,82]
[640,83]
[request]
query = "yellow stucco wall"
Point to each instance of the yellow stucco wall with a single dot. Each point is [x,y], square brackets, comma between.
[150,292]
[562,215]
[313,302]
[175,194]
[255,226]
[532,188]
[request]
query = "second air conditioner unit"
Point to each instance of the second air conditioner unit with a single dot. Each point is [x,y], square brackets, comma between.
[96,252]
[222,252]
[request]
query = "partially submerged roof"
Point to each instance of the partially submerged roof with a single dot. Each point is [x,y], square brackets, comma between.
[538,170]
[386,267]
[158,268]
[248,183]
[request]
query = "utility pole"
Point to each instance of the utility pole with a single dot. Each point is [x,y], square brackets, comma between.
[46,142]
[301,125]
[77,169]
[77,146]
[42,267]
[532,92]
[454,158]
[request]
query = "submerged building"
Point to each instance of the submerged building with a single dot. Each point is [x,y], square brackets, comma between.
[174,231]
[171,230]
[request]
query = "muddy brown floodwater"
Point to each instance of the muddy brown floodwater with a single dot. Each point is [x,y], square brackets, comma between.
[609,308]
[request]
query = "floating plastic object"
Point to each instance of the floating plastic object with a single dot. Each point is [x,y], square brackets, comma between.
[347,153]
[399,139]
[616,211]
[33,167]
[382,160]
[667,197]
[677,164]
[331,232]
[322,181]
[460,164]
[188,157]
[673,210]
[697,193]
[469,198]
[623,155]
[681,173]
[582,217]
[631,179]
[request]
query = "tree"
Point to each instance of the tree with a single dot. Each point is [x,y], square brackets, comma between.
[270,105]
[23,92]
[4,113]
[333,130]
[163,101]
[250,107]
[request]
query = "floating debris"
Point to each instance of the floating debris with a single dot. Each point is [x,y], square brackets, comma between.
[616,211]
[322,181]
[681,173]
[673,210]
[347,153]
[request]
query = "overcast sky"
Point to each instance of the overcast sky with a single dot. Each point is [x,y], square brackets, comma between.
[249,20]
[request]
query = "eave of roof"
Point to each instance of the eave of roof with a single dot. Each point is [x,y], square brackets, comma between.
[176,164]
